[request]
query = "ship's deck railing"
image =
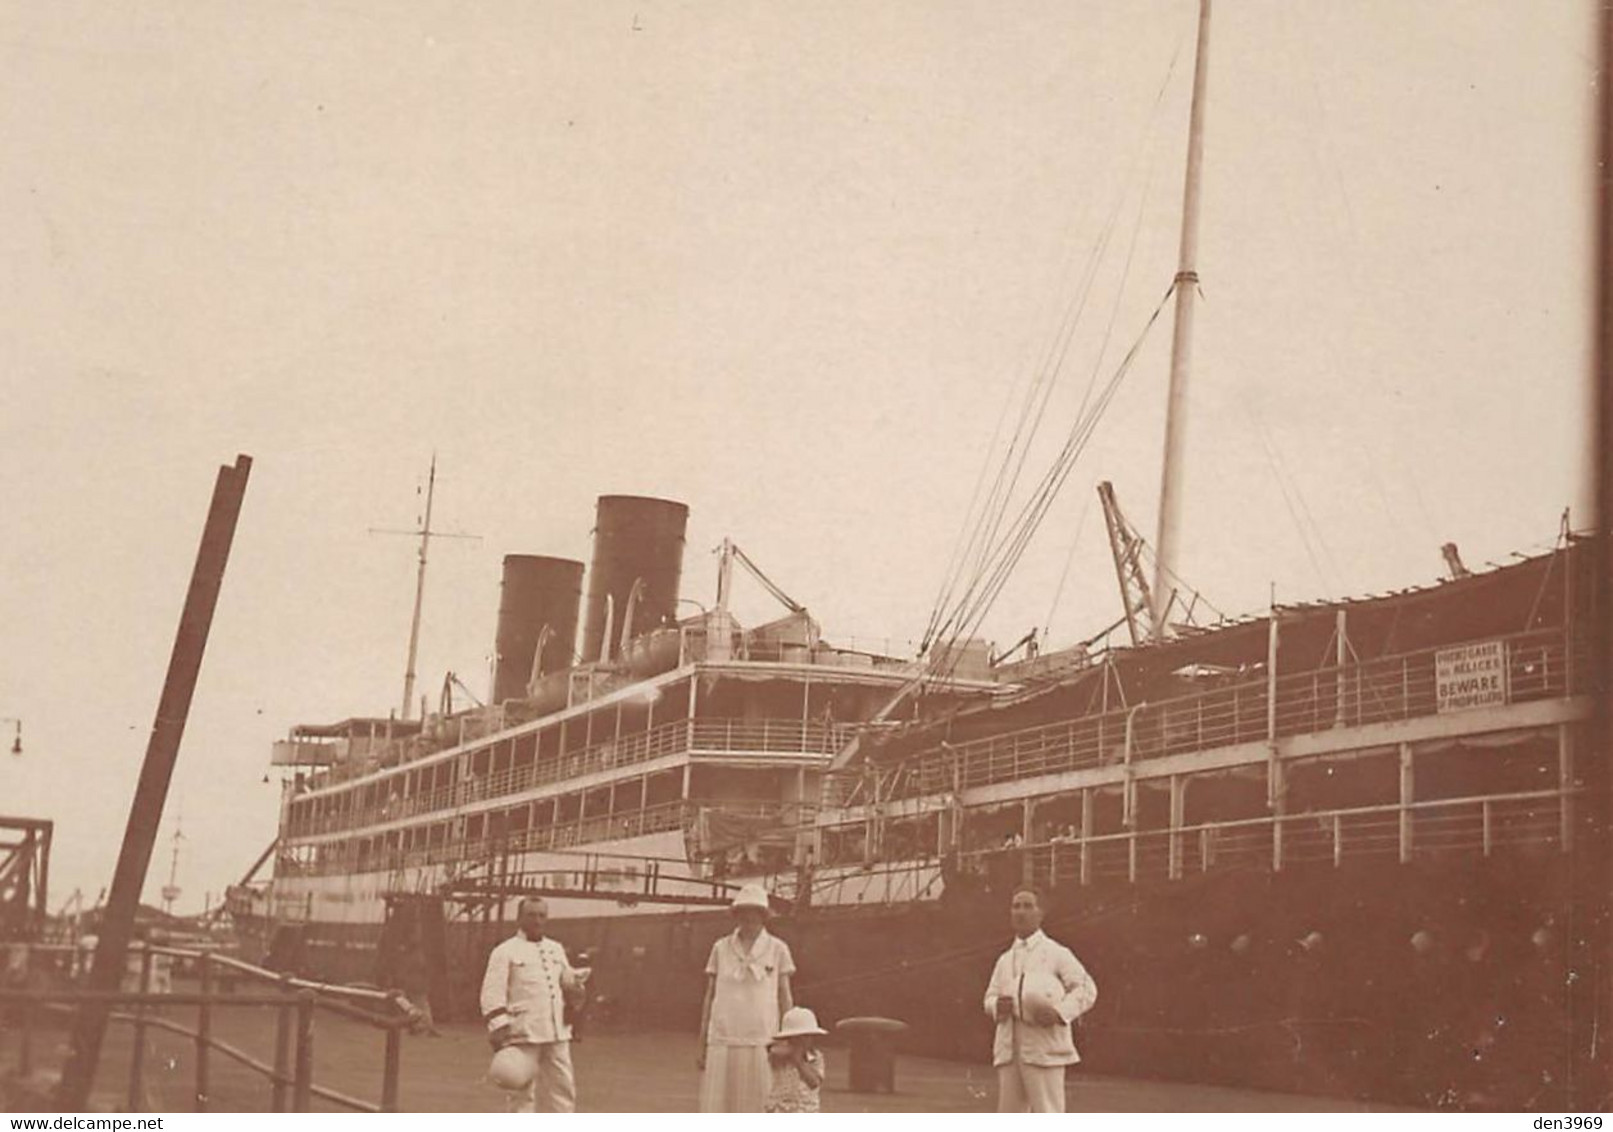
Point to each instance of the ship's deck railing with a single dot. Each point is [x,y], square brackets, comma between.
[1440,827]
[1539,665]
[364,756]
[702,736]
[346,857]
[386,754]
[1527,822]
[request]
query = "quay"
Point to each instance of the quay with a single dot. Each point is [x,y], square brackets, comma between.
[625,1071]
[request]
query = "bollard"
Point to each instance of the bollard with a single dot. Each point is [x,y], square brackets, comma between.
[389,1075]
[302,1083]
[204,1034]
[137,1060]
[873,1052]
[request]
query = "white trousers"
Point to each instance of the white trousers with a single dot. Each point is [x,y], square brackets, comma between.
[1030,1088]
[553,1087]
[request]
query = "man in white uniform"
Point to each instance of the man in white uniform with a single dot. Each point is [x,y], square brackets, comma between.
[1037,989]
[524,1001]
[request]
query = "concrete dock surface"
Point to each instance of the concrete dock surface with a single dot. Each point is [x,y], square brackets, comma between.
[622,1071]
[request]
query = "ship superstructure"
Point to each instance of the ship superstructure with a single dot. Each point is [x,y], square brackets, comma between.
[683,752]
[1436,720]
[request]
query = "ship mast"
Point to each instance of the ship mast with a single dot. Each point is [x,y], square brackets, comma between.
[425,535]
[1186,287]
[170,891]
[419,589]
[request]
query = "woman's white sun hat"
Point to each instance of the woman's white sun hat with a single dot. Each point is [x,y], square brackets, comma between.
[751,896]
[799,1022]
[511,1069]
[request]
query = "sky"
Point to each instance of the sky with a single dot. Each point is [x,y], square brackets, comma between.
[786,263]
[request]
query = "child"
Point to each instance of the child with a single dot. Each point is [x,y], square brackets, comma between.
[797,1065]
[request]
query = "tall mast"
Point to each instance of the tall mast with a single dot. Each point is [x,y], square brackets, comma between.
[170,891]
[425,534]
[419,589]
[1186,286]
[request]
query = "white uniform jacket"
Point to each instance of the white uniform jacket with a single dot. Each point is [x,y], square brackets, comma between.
[1038,957]
[522,990]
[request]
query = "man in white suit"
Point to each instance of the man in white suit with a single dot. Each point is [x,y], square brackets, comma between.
[523,1002]
[1037,989]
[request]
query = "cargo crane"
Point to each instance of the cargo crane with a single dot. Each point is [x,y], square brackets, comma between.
[24,876]
[1126,545]
[1137,596]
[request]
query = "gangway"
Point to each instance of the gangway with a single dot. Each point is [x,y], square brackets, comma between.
[625,878]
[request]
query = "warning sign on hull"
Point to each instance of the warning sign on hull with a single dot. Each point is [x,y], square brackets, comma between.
[1471,676]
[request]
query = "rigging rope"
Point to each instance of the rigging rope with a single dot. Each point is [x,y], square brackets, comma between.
[1005,556]
[1281,480]
[1058,592]
[981,545]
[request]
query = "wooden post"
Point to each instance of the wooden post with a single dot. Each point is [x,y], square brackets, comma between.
[282,1055]
[389,1073]
[1407,793]
[151,791]
[303,1078]
[137,1058]
[204,1034]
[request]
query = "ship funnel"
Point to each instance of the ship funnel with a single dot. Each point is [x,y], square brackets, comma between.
[537,620]
[636,540]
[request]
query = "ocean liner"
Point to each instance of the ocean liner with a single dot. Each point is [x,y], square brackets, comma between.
[1330,848]
[1335,847]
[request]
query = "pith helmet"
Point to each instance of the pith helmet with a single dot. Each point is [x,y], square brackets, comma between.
[799,1022]
[1040,990]
[511,1069]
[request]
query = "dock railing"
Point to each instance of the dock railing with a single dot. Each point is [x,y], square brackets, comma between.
[295,1001]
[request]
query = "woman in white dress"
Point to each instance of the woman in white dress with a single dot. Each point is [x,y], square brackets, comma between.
[747,993]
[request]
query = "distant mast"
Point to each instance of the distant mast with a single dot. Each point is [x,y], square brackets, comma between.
[425,534]
[419,589]
[171,890]
[1186,287]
